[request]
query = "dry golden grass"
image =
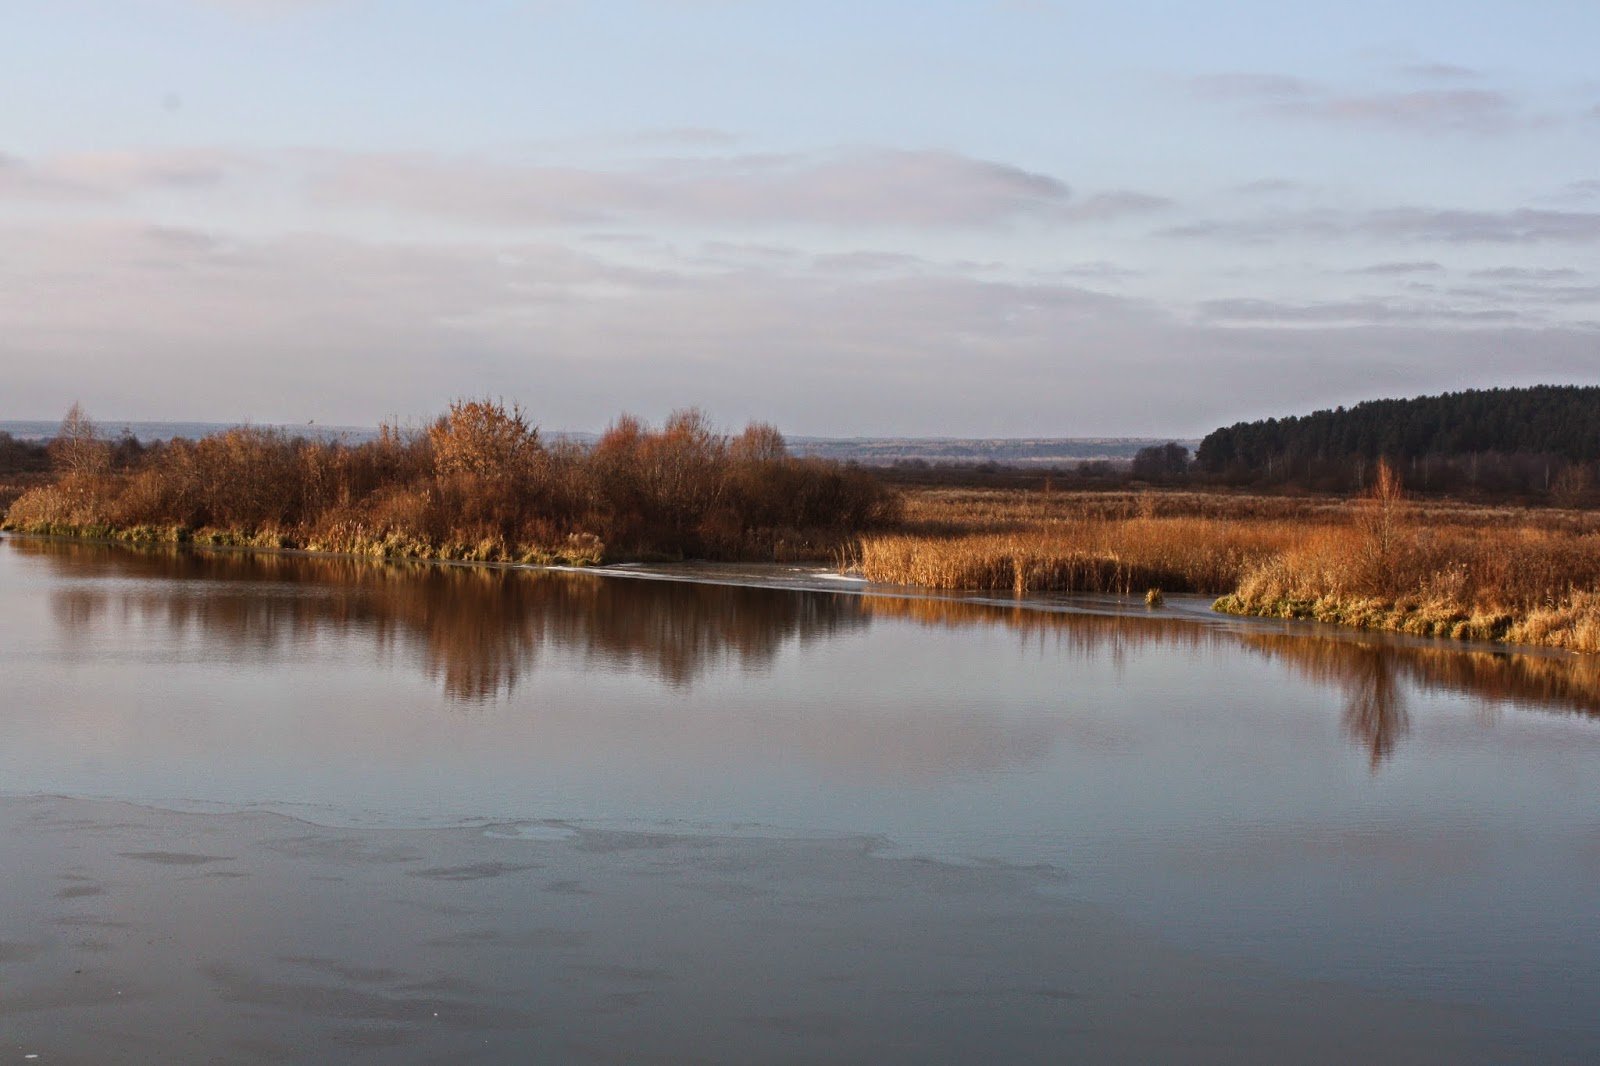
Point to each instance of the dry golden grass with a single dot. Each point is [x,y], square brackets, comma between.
[1088,555]
[1435,568]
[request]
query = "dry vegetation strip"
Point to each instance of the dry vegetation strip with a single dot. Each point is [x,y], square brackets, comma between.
[479,484]
[1382,562]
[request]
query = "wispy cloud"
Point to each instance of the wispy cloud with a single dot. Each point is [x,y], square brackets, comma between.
[1454,110]
[21,179]
[1440,72]
[1400,268]
[1268,187]
[865,187]
[842,188]
[112,175]
[1405,224]
[1508,273]
[1520,226]
[120,312]
[1116,203]
[1335,312]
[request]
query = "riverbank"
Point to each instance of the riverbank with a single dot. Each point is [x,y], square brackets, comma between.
[1434,568]
[1428,568]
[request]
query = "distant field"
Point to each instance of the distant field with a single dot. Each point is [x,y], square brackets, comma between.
[882,451]
[36,430]
[870,451]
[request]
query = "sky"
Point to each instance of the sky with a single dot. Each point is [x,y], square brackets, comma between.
[1000,218]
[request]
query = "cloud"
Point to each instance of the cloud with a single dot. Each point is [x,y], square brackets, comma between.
[1578,192]
[115,175]
[1116,203]
[266,7]
[1423,110]
[115,172]
[346,331]
[127,310]
[21,179]
[844,188]
[1334,312]
[1531,287]
[1390,269]
[1520,226]
[1256,87]
[865,187]
[1408,224]
[1268,187]
[691,136]
[1453,110]
[1527,273]
[1441,72]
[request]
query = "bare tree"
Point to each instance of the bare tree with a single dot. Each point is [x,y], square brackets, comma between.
[1382,514]
[77,447]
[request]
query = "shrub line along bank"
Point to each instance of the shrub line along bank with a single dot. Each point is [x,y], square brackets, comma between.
[480,486]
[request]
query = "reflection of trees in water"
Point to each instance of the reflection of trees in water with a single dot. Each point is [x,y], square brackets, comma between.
[1375,711]
[1371,670]
[1375,714]
[479,631]
[1374,673]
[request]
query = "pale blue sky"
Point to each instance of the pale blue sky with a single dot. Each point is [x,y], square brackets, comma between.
[1017,217]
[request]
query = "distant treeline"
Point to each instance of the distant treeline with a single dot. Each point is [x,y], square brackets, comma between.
[22,456]
[1544,439]
[480,483]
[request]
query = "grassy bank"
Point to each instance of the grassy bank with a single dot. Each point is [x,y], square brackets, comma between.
[479,484]
[1378,562]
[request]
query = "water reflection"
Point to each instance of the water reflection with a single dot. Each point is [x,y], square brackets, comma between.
[1372,671]
[478,632]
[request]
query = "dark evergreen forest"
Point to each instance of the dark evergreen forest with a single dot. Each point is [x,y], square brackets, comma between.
[1525,440]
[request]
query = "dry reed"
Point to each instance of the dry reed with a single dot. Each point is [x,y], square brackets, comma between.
[1382,562]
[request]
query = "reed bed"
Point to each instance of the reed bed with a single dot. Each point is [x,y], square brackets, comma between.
[1525,585]
[1086,555]
[1439,568]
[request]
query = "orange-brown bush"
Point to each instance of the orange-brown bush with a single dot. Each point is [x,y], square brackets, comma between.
[477,484]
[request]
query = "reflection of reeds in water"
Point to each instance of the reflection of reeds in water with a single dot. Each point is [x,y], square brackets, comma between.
[479,630]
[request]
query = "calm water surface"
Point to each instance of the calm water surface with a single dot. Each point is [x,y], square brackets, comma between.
[1400,816]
